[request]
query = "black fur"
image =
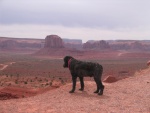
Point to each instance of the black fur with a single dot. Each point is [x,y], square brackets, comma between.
[83,69]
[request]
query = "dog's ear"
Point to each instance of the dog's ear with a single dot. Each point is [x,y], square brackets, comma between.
[66,59]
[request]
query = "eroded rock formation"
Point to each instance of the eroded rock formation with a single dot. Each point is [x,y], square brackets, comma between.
[98,45]
[53,41]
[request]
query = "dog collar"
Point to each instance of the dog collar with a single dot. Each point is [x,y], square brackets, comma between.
[69,63]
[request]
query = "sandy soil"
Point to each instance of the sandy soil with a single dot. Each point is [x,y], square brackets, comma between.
[130,95]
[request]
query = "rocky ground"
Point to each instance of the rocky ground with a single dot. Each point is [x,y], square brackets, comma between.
[130,95]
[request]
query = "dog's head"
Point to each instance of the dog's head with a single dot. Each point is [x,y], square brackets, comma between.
[66,60]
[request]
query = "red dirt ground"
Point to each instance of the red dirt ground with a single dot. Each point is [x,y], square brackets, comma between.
[13,91]
[16,92]
[130,95]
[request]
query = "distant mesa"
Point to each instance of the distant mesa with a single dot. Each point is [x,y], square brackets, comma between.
[8,44]
[53,41]
[69,46]
[130,45]
[96,45]
[137,46]
[19,44]
[55,46]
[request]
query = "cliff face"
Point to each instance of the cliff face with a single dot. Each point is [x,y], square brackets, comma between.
[22,45]
[130,45]
[53,41]
[96,45]
[8,44]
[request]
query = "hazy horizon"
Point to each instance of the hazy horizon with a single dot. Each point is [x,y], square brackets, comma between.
[76,19]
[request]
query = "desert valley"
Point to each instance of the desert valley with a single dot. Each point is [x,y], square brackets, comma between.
[33,80]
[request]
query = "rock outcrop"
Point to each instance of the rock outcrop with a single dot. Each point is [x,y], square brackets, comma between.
[137,46]
[96,45]
[148,63]
[110,79]
[6,96]
[132,45]
[19,44]
[8,44]
[53,41]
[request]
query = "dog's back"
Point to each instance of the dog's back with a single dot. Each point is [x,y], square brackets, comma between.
[82,68]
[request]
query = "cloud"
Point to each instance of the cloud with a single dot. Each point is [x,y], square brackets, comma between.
[79,19]
[86,13]
[84,33]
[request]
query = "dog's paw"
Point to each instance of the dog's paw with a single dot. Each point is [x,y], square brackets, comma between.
[81,89]
[71,91]
[96,91]
[100,92]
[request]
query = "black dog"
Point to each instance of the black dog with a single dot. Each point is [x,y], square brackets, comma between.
[82,69]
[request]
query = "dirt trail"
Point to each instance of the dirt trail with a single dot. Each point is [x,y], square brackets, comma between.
[130,95]
[4,66]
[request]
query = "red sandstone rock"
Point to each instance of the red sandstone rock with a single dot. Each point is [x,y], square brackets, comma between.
[148,63]
[8,44]
[53,41]
[137,46]
[98,44]
[110,79]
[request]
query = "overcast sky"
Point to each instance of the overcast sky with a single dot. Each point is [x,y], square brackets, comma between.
[76,19]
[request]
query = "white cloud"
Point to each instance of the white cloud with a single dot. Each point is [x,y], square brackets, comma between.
[86,13]
[41,31]
[79,19]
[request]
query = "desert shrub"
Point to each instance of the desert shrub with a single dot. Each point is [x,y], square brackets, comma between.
[2,84]
[46,84]
[60,78]
[25,82]
[51,83]
[62,81]
[9,84]
[40,80]
[46,80]
[16,81]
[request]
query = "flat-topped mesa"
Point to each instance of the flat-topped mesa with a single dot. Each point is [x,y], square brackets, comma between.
[8,44]
[96,45]
[53,41]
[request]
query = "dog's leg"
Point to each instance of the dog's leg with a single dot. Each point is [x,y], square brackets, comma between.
[74,78]
[101,88]
[82,83]
[96,80]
